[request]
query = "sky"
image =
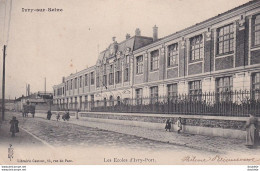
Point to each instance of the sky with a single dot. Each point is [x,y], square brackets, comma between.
[55,44]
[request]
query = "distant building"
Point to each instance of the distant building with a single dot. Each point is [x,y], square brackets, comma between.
[37,99]
[9,104]
[217,55]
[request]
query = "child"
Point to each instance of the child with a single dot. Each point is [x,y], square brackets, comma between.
[179,125]
[58,117]
[168,125]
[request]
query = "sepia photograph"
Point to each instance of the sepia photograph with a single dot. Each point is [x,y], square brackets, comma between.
[126,82]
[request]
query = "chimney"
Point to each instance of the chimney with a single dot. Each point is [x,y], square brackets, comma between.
[114,38]
[155,33]
[127,36]
[29,90]
[137,32]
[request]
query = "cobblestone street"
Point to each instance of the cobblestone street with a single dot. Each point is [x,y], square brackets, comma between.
[105,139]
[71,133]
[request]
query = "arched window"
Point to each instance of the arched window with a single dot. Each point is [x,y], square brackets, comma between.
[111,99]
[118,100]
[105,102]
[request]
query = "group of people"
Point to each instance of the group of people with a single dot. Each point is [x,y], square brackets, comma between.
[252,136]
[252,130]
[66,116]
[168,125]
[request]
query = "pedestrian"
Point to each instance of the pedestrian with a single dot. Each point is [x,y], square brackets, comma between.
[14,126]
[252,136]
[179,125]
[58,117]
[168,125]
[77,114]
[49,115]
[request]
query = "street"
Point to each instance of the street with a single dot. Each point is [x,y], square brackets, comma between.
[82,141]
[64,133]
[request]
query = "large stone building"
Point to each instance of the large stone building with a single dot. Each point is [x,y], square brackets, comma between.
[219,54]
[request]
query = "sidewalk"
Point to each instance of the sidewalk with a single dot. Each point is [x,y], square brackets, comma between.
[21,139]
[212,144]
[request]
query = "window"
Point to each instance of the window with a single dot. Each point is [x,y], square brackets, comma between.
[173,55]
[86,79]
[118,64]
[225,39]
[104,80]
[154,94]
[126,101]
[126,68]
[111,101]
[118,72]
[224,87]
[256,30]
[97,81]
[104,69]
[118,77]
[224,84]
[118,99]
[111,75]
[75,83]
[71,84]
[76,103]
[139,95]
[256,86]
[92,101]
[139,64]
[105,102]
[154,60]
[126,74]
[195,90]
[80,81]
[86,102]
[172,91]
[196,48]
[127,59]
[92,82]
[80,102]
[97,76]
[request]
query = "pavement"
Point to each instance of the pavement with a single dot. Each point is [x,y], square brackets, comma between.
[200,142]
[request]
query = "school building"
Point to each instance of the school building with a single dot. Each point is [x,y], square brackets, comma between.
[220,56]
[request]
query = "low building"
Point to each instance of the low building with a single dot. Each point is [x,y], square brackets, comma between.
[39,100]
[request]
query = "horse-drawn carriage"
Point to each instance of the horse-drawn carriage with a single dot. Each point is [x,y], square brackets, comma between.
[28,109]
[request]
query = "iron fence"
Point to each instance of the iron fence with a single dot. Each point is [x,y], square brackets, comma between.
[232,103]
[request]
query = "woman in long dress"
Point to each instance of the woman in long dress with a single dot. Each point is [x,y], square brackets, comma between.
[14,126]
[252,136]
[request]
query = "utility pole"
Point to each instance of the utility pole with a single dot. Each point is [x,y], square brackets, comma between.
[3,86]
[44,85]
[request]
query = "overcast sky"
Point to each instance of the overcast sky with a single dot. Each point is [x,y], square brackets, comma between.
[55,44]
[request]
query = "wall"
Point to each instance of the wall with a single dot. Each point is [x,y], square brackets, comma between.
[229,127]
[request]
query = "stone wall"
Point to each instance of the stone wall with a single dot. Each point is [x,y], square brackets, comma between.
[207,123]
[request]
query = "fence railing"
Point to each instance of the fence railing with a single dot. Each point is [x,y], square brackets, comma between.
[232,103]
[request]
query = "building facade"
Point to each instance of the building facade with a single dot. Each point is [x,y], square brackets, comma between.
[217,55]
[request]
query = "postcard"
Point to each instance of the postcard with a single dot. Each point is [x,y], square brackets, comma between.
[124,82]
